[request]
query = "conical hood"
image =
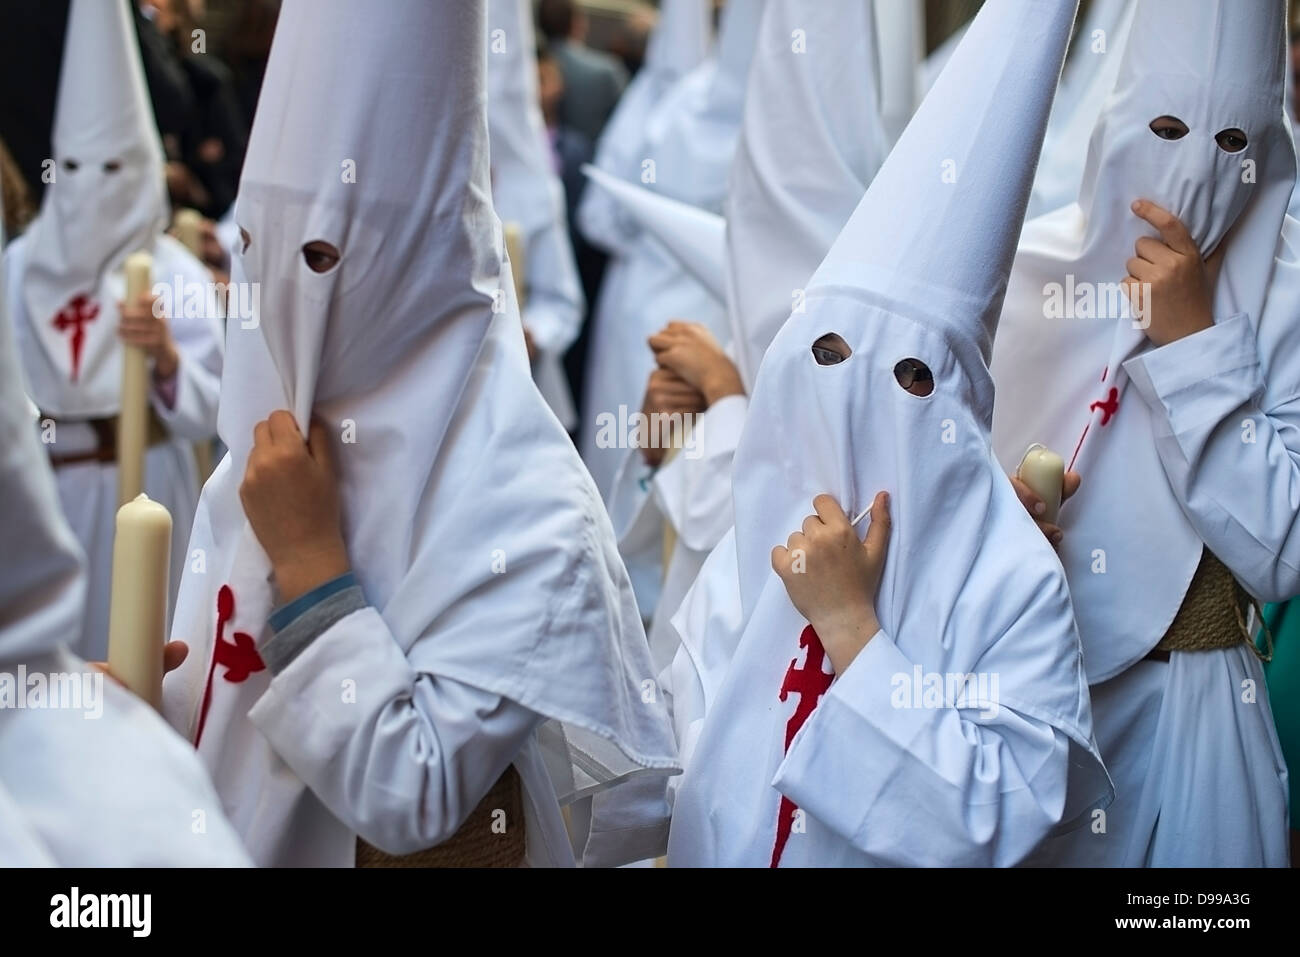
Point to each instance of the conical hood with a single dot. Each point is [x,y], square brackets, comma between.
[695,237]
[680,41]
[811,141]
[962,169]
[108,196]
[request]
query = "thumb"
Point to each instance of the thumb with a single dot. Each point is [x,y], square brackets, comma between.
[877,540]
[318,445]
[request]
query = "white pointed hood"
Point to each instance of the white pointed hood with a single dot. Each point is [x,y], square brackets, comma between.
[42,586]
[812,139]
[403,350]
[1067,333]
[695,237]
[692,146]
[108,199]
[680,40]
[525,188]
[970,584]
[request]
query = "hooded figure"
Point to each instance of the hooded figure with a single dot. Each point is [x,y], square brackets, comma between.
[1187,452]
[685,152]
[89,775]
[527,191]
[107,200]
[960,733]
[1088,78]
[679,44]
[492,623]
[811,141]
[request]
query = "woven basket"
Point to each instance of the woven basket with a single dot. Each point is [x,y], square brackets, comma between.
[476,844]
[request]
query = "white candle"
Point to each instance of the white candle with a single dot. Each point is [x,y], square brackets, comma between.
[188,224]
[515,252]
[137,618]
[133,417]
[1043,471]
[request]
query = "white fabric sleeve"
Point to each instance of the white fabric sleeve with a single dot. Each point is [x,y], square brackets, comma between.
[693,489]
[924,786]
[193,414]
[400,756]
[1233,463]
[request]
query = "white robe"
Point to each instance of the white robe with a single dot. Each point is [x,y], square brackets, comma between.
[88,491]
[110,789]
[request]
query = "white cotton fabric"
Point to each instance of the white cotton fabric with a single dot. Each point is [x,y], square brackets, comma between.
[104,782]
[92,218]
[678,44]
[970,586]
[1086,84]
[689,138]
[527,191]
[900,50]
[483,572]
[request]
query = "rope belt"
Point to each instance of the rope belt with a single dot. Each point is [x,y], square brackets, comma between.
[477,843]
[1213,614]
[105,450]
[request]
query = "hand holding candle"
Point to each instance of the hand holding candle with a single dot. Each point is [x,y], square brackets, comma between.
[1042,484]
[138,610]
[1044,472]
[133,416]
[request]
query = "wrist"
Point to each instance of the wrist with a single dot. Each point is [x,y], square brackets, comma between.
[307,568]
[722,383]
[166,361]
[845,633]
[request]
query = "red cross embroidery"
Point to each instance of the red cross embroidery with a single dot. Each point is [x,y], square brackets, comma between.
[74,316]
[1107,406]
[809,682]
[239,657]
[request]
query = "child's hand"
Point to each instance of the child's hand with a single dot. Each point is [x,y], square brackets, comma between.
[666,393]
[291,497]
[832,577]
[141,327]
[1180,283]
[174,655]
[691,351]
[1035,506]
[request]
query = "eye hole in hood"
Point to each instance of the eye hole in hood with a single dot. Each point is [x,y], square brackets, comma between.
[1169,128]
[830,349]
[914,376]
[320,256]
[1231,140]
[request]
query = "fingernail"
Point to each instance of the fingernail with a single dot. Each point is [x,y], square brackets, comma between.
[1137,204]
[1040,508]
[1056,538]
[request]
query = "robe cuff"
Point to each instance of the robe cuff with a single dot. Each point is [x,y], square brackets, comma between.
[1201,378]
[164,390]
[688,490]
[305,619]
[857,718]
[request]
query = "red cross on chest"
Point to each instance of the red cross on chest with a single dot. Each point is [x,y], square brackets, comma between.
[73,317]
[1107,406]
[809,682]
[239,656]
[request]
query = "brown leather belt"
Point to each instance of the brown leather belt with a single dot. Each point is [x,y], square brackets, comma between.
[105,450]
[492,836]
